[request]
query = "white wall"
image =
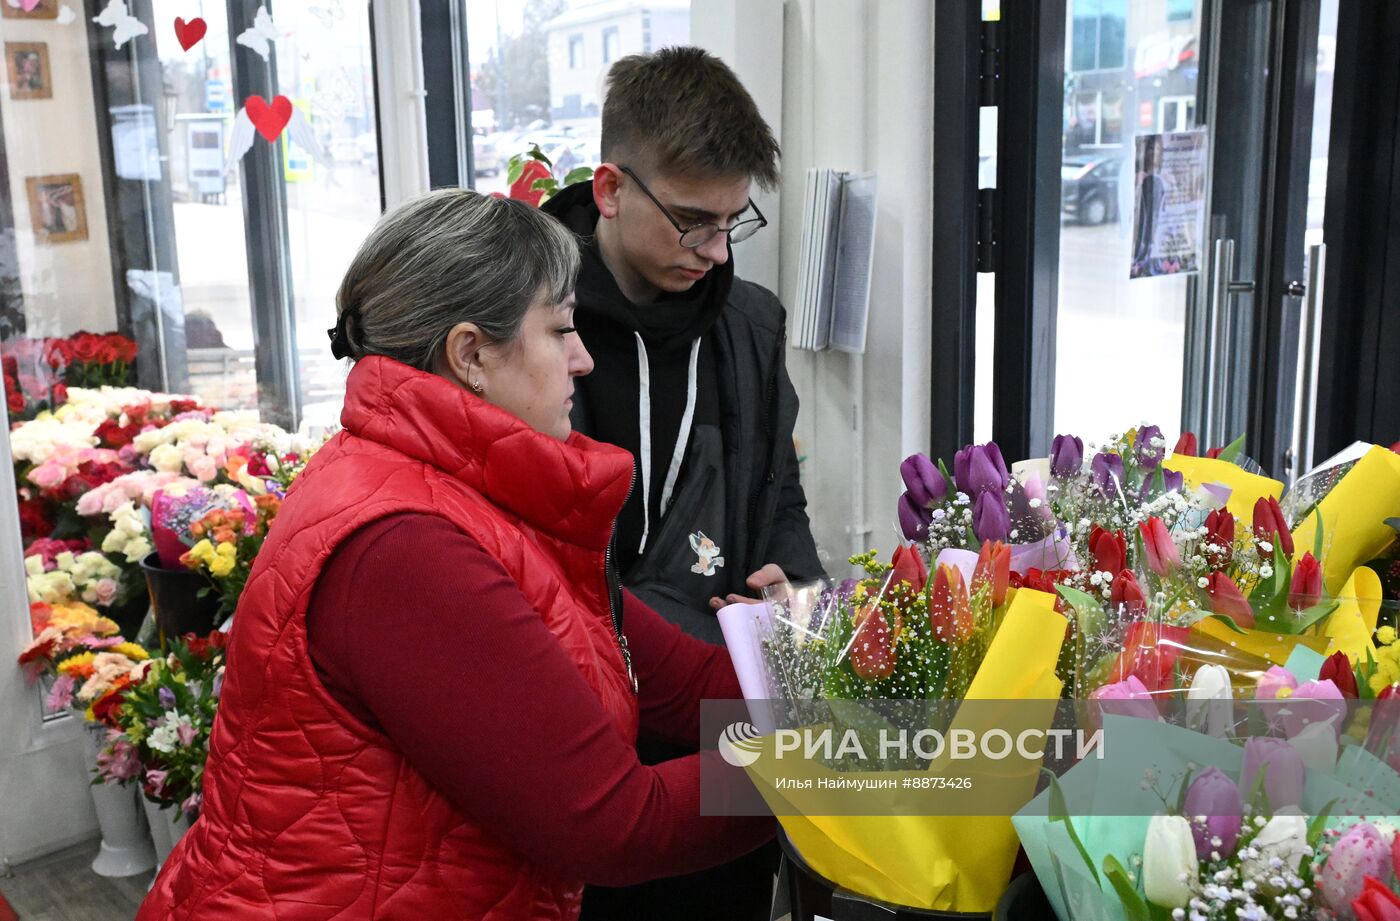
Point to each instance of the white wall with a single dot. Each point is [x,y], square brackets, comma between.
[67,286]
[855,78]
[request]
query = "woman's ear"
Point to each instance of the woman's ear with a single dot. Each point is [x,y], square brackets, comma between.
[605,187]
[461,356]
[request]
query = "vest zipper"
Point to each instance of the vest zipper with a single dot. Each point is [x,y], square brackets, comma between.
[612,585]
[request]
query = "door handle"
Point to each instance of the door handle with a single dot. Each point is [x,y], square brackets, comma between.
[1220,337]
[1309,349]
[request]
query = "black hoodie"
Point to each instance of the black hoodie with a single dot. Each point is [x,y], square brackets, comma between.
[610,326]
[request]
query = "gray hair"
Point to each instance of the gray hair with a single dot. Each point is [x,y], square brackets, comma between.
[448,257]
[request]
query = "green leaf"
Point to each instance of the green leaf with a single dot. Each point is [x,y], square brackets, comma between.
[1313,615]
[1233,450]
[1228,621]
[517,166]
[1059,812]
[537,154]
[1317,535]
[579,174]
[1088,610]
[547,185]
[1134,905]
[1319,824]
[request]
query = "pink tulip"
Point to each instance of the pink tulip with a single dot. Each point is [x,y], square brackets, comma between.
[1313,702]
[1359,853]
[1128,697]
[1162,555]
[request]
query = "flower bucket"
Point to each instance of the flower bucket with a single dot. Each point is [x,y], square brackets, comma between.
[126,844]
[160,831]
[1023,900]
[811,896]
[175,598]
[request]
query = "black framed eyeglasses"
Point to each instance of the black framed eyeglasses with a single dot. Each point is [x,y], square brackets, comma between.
[699,234]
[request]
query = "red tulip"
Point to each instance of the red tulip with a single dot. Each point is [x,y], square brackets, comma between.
[1186,444]
[909,567]
[1215,453]
[948,608]
[1337,668]
[994,569]
[1220,537]
[1110,550]
[1126,591]
[523,188]
[1270,525]
[1306,588]
[1225,598]
[1162,556]
[1377,902]
[1150,651]
[872,647]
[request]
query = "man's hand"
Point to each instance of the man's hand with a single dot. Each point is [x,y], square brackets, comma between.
[771,574]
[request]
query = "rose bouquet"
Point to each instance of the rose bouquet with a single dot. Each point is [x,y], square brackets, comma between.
[38,372]
[159,724]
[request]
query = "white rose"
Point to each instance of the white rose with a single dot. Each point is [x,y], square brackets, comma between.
[167,458]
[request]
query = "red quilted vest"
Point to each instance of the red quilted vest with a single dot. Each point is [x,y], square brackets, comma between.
[308,814]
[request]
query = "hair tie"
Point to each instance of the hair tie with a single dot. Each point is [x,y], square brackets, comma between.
[340,337]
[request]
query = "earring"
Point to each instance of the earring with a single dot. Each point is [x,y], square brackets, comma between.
[476,387]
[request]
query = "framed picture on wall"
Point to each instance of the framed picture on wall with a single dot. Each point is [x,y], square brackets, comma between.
[56,207]
[27,64]
[30,9]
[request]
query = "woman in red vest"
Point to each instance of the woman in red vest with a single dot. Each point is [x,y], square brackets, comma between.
[431,704]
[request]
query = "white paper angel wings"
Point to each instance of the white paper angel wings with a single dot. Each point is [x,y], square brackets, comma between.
[258,116]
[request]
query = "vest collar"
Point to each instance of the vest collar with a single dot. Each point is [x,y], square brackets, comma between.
[569,490]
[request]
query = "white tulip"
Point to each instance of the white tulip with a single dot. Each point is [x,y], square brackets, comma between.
[1284,837]
[1210,701]
[1169,867]
[1317,744]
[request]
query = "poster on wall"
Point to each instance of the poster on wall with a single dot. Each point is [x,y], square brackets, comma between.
[1169,210]
[57,209]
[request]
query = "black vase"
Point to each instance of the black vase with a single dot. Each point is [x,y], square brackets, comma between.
[812,895]
[1024,900]
[176,600]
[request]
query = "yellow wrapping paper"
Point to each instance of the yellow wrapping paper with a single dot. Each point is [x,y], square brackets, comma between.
[1350,626]
[948,863]
[1273,648]
[1245,488]
[1353,516]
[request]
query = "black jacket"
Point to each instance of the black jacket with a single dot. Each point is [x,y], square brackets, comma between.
[739,483]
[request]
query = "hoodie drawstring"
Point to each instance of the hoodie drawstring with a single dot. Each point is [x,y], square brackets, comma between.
[644,421]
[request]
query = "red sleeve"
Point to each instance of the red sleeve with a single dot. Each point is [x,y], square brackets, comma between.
[675,671]
[413,623]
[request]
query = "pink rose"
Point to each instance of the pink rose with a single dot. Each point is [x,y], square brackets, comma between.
[185,733]
[203,467]
[48,475]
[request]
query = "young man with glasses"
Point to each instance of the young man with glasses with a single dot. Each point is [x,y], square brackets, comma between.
[690,376]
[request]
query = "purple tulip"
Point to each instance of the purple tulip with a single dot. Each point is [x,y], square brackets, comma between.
[1150,447]
[1215,797]
[913,519]
[166,698]
[1313,702]
[923,480]
[980,468]
[1108,473]
[1175,480]
[1284,770]
[1067,455]
[990,520]
[1129,697]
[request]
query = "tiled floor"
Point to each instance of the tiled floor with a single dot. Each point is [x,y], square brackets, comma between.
[62,887]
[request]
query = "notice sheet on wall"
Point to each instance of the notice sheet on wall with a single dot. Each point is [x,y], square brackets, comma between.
[1169,210]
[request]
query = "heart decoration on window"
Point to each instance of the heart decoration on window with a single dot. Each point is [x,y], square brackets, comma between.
[190,33]
[270,119]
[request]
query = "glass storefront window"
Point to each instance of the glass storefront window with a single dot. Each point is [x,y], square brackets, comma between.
[537,76]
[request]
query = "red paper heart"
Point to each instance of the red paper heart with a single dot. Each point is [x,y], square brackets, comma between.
[29,5]
[190,33]
[269,119]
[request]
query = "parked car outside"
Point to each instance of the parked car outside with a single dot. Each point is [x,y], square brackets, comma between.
[486,159]
[1089,188]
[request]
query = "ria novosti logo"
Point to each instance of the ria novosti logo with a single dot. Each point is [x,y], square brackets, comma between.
[740,744]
